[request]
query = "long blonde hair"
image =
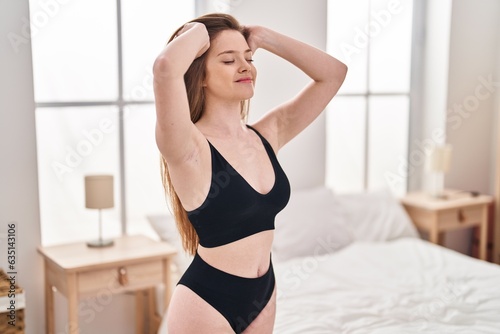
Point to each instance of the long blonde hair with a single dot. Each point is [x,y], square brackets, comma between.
[193,78]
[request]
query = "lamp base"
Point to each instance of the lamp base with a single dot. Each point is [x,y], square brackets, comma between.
[100,243]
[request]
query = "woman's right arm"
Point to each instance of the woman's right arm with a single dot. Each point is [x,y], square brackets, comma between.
[176,135]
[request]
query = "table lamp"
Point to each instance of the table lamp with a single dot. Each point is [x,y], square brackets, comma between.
[99,195]
[439,164]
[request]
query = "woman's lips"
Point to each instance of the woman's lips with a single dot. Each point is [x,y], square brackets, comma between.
[245,80]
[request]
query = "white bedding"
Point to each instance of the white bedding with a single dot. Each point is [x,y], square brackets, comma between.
[402,286]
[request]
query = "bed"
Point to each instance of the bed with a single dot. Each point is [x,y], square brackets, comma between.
[354,263]
[402,286]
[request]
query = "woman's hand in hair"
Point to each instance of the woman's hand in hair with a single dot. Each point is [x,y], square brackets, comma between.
[203,31]
[256,36]
[189,43]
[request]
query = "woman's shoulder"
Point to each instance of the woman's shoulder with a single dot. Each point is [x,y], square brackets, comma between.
[267,131]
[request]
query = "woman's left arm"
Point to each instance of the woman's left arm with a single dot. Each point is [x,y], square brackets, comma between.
[290,118]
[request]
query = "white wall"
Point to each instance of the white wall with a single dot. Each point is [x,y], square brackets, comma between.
[475,32]
[303,159]
[18,164]
[435,87]
[474,40]
[495,164]
[495,149]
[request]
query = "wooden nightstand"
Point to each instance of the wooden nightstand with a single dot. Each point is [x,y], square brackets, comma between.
[460,210]
[133,263]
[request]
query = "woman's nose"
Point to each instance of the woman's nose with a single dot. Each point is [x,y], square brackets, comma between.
[245,67]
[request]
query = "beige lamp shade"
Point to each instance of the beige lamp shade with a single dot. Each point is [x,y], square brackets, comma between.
[440,158]
[99,191]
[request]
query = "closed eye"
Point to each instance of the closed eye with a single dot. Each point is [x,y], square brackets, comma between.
[232,61]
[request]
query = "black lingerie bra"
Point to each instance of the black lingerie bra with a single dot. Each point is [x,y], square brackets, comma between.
[233,209]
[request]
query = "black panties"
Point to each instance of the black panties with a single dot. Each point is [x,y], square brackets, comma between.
[238,299]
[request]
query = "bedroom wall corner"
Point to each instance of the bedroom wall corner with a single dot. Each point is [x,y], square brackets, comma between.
[304,158]
[18,168]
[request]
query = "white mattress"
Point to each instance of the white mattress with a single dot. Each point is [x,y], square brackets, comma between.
[404,286]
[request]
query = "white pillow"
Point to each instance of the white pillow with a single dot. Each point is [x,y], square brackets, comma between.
[376,216]
[311,224]
[165,227]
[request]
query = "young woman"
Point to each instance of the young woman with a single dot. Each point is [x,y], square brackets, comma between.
[222,176]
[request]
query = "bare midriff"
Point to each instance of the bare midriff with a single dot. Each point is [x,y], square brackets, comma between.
[248,257]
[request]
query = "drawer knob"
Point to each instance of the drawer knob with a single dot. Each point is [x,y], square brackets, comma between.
[461,216]
[122,276]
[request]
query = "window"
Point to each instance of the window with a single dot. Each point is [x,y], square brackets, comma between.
[92,63]
[367,124]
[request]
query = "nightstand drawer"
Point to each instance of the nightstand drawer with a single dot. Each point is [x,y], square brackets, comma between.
[459,217]
[121,278]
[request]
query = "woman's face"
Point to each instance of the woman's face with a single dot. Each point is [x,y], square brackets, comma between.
[230,74]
